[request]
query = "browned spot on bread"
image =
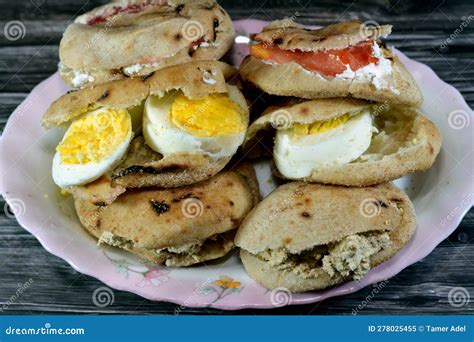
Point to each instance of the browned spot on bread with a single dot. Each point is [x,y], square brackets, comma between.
[305,214]
[100,204]
[307,200]
[179,8]
[159,207]
[182,197]
[215,23]
[287,241]
[98,222]
[150,170]
[104,95]
[144,78]
[178,36]
[382,204]
[431,149]
[304,111]
[231,203]
[278,41]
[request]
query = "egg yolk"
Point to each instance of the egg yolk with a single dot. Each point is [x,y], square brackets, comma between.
[212,116]
[318,127]
[94,136]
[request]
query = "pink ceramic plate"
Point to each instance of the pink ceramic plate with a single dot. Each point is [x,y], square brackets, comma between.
[441,196]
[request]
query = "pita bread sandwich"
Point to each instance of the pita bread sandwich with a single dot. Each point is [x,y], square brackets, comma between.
[307,237]
[341,60]
[344,141]
[175,227]
[135,37]
[178,126]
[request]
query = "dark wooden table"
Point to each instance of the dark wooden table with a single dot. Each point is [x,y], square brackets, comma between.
[420,28]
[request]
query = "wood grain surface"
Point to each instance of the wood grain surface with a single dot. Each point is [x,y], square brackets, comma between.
[421,30]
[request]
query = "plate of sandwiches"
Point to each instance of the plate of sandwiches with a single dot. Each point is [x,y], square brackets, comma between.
[233,165]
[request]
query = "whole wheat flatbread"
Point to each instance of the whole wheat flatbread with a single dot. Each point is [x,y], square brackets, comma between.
[161,34]
[148,220]
[288,35]
[291,79]
[142,166]
[299,216]
[407,140]
[191,78]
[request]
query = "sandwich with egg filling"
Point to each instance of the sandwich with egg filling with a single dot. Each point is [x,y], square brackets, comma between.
[345,59]
[344,141]
[307,237]
[175,227]
[129,38]
[178,126]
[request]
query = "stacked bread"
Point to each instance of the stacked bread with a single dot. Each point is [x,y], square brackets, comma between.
[156,119]
[346,116]
[152,128]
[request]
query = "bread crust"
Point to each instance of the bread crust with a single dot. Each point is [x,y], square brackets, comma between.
[334,213]
[291,79]
[158,36]
[190,78]
[288,35]
[143,167]
[146,220]
[415,144]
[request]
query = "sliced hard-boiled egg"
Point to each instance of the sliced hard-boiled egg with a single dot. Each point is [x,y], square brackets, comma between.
[302,148]
[214,125]
[93,144]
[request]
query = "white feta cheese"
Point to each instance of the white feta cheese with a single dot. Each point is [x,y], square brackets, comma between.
[81,78]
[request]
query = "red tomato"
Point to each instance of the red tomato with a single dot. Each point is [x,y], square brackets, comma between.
[328,62]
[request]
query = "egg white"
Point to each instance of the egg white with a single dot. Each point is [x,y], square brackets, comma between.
[166,138]
[65,175]
[296,157]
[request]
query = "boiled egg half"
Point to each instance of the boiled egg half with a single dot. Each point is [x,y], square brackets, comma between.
[93,144]
[214,125]
[304,147]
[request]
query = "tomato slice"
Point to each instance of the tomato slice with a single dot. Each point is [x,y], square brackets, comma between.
[328,62]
